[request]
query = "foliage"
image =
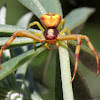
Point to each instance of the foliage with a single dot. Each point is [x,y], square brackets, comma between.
[33,74]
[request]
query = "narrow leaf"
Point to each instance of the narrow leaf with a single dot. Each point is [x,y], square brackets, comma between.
[3,15]
[39,7]
[16,62]
[24,20]
[52,6]
[35,6]
[77,17]
[65,73]
[7,30]
[48,78]
[19,41]
[31,87]
[20,74]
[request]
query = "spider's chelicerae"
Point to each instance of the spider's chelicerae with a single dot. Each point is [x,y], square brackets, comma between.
[53,23]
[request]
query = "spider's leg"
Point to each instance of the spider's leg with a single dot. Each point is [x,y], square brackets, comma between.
[64,30]
[40,35]
[46,45]
[34,45]
[21,34]
[61,24]
[75,37]
[43,25]
[36,23]
[77,51]
[93,50]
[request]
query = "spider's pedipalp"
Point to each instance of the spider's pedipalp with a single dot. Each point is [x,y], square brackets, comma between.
[57,45]
[46,45]
[21,34]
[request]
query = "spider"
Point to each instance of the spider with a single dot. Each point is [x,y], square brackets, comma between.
[51,26]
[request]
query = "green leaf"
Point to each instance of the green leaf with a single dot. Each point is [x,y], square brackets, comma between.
[40,7]
[53,6]
[24,20]
[20,74]
[8,30]
[77,17]
[16,62]
[31,87]
[3,15]
[39,59]
[48,78]
[35,6]
[88,78]
[65,72]
[11,80]
[19,41]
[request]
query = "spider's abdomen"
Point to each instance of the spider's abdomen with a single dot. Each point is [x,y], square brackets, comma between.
[51,34]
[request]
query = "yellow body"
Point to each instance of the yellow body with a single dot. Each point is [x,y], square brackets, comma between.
[50,20]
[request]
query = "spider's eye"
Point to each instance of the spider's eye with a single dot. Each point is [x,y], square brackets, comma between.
[42,18]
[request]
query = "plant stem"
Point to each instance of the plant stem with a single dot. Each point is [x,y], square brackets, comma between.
[65,73]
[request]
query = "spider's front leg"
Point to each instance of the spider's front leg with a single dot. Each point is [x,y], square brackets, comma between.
[77,51]
[21,34]
[61,24]
[36,23]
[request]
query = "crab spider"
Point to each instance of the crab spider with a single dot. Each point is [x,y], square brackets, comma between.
[52,24]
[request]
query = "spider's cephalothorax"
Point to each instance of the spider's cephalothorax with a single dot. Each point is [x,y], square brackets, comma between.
[50,20]
[52,33]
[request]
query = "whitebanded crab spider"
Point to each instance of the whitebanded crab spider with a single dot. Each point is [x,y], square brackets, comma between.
[52,24]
